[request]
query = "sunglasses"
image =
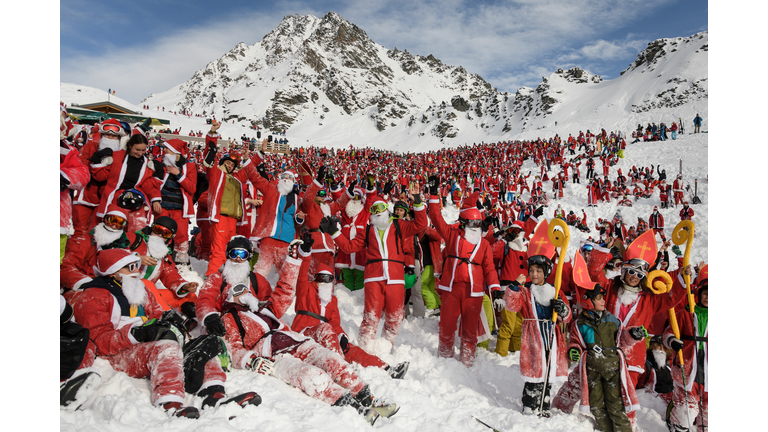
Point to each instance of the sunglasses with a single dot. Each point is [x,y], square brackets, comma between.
[634,272]
[324,278]
[239,290]
[378,208]
[473,223]
[133,267]
[115,221]
[162,231]
[239,253]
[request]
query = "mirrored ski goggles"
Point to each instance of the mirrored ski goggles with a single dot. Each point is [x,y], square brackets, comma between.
[162,231]
[115,221]
[238,253]
[133,267]
[378,208]
[473,223]
[324,278]
[110,128]
[587,248]
[322,193]
[239,290]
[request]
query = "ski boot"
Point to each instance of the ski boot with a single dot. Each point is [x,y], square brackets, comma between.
[213,396]
[178,410]
[370,414]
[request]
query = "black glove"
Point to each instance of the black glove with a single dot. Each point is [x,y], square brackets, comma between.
[63,182]
[561,308]
[638,333]
[215,325]
[514,286]
[307,242]
[153,331]
[328,224]
[351,188]
[487,222]
[676,344]
[262,170]
[479,205]
[538,212]
[344,343]
[433,183]
[510,235]
[387,188]
[101,154]
[321,174]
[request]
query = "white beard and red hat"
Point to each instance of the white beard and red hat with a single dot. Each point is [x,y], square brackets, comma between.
[285,186]
[110,261]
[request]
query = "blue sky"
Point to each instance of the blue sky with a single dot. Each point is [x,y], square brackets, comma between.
[141,47]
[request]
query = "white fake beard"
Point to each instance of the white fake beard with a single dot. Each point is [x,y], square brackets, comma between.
[326,209]
[354,207]
[169,160]
[156,247]
[660,357]
[234,273]
[627,297]
[610,274]
[104,235]
[284,187]
[543,294]
[133,289]
[473,235]
[325,292]
[518,244]
[381,220]
[105,142]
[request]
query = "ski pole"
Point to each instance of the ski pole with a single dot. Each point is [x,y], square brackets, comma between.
[485,424]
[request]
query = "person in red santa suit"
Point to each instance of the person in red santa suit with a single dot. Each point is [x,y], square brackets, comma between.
[249,317]
[629,297]
[115,307]
[177,182]
[677,189]
[656,223]
[354,219]
[73,177]
[384,272]
[541,341]
[467,268]
[226,196]
[315,207]
[129,169]
[691,393]
[317,315]
[686,213]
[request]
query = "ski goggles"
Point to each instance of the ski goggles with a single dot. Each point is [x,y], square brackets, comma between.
[110,129]
[402,205]
[239,253]
[322,193]
[239,290]
[472,223]
[286,176]
[587,248]
[324,278]
[162,231]
[115,221]
[378,208]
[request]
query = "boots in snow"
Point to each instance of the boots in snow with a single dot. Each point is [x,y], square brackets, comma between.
[76,390]
[179,410]
[399,371]
[213,395]
[370,414]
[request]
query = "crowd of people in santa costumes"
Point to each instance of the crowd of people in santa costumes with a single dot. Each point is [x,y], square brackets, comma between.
[368,220]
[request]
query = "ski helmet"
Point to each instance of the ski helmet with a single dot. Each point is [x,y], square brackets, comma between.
[541,261]
[167,222]
[131,199]
[587,297]
[239,242]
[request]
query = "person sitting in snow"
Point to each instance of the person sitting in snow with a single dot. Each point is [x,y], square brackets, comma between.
[249,316]
[317,315]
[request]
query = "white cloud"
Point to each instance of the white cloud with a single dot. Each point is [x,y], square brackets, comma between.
[505,40]
[604,50]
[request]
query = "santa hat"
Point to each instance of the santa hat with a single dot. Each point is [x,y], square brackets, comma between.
[469,209]
[379,200]
[109,261]
[323,268]
[177,146]
[116,210]
[518,224]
